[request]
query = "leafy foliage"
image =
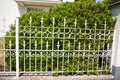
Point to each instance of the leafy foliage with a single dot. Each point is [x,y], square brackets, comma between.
[79,10]
[110,1]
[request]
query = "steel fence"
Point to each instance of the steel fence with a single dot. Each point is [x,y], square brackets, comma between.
[57,50]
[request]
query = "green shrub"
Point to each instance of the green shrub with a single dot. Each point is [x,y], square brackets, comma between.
[79,10]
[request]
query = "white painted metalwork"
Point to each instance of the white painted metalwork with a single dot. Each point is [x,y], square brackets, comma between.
[10,55]
[53,42]
[35,56]
[24,54]
[4,44]
[17,47]
[30,45]
[60,50]
[41,42]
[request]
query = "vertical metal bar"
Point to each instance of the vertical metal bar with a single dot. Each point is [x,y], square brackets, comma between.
[103,46]
[68,55]
[30,45]
[74,43]
[63,47]
[88,59]
[41,44]
[98,55]
[47,56]
[47,52]
[105,25]
[73,63]
[102,63]
[94,46]
[84,57]
[10,55]
[93,61]
[24,53]
[107,57]
[10,50]
[35,50]
[17,47]
[83,63]
[79,55]
[53,41]
[58,46]
[75,23]
[85,25]
[35,55]
[4,44]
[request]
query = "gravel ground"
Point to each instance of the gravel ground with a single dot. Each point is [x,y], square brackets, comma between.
[85,77]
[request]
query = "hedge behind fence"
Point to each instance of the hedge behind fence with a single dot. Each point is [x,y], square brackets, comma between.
[79,10]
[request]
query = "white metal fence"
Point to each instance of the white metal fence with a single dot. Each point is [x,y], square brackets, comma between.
[56,50]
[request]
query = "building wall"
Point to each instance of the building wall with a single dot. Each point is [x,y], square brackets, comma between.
[22,9]
[115,10]
[8,10]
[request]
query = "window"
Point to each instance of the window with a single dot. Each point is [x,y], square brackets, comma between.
[37,9]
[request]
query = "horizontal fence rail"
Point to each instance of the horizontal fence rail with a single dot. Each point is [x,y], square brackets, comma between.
[58,50]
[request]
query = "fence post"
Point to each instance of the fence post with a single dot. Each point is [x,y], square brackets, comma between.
[17,47]
[4,33]
[115,62]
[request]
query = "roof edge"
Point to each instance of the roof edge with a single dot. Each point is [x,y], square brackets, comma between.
[112,4]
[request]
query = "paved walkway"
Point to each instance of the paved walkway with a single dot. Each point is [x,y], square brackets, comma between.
[85,77]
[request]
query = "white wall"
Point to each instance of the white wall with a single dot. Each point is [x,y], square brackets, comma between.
[9,10]
[22,9]
[115,11]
